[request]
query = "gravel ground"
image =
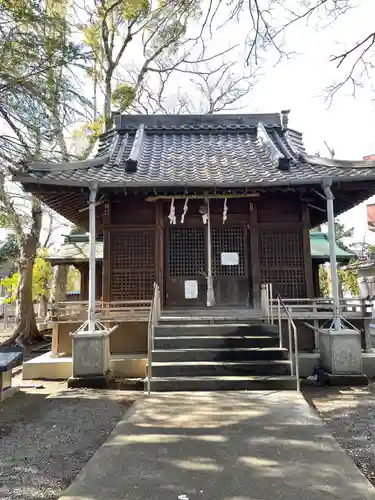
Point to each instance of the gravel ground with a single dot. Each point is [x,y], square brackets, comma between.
[349,414]
[47,435]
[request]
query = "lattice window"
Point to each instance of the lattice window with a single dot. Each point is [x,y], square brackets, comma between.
[289,283]
[132,285]
[133,249]
[282,262]
[186,251]
[281,249]
[228,239]
[132,264]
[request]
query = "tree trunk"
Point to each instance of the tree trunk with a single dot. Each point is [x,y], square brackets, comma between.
[108,122]
[26,330]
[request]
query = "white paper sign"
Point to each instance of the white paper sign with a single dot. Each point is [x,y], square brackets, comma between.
[229,259]
[191,289]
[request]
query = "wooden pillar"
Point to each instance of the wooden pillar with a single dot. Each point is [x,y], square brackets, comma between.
[84,288]
[159,254]
[254,254]
[106,267]
[315,267]
[307,251]
[99,280]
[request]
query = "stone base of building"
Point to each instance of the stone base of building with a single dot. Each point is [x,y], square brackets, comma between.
[92,381]
[326,378]
[47,366]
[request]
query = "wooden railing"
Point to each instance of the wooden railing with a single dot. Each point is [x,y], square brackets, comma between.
[321,308]
[124,310]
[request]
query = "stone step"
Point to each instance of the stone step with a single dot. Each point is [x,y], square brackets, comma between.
[204,320]
[219,354]
[214,341]
[236,329]
[226,383]
[220,368]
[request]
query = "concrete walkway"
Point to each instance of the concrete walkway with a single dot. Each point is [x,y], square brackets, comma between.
[221,446]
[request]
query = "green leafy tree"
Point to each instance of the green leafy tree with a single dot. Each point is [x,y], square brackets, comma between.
[114,29]
[347,278]
[42,275]
[38,100]
[343,233]
[9,249]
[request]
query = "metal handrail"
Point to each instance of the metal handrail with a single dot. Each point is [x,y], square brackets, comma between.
[292,329]
[270,302]
[266,301]
[152,322]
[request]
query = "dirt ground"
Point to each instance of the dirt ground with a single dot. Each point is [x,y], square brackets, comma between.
[349,414]
[48,433]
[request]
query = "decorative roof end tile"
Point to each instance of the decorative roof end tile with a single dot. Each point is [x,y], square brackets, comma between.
[131,164]
[284,164]
[285,118]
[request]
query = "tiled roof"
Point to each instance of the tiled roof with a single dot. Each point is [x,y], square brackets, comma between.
[319,245]
[194,150]
[74,249]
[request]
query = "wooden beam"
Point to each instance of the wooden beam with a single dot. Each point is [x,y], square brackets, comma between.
[127,227]
[280,226]
[254,254]
[202,196]
[307,251]
[84,288]
[106,270]
[160,249]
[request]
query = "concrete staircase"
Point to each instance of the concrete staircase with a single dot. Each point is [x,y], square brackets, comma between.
[201,356]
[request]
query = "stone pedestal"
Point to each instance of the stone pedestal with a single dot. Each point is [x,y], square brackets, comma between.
[341,356]
[91,357]
[340,351]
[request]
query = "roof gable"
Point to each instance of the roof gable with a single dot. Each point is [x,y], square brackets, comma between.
[319,245]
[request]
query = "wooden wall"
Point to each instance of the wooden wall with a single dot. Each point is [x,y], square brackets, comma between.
[283,226]
[135,236]
[130,249]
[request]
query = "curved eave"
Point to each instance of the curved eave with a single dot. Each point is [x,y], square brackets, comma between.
[25,179]
[292,181]
[339,258]
[332,163]
[64,166]
[69,198]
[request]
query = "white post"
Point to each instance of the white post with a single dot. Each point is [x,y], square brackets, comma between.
[210,285]
[92,261]
[332,255]
[279,321]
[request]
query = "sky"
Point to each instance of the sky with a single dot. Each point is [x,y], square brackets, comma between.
[298,83]
[347,123]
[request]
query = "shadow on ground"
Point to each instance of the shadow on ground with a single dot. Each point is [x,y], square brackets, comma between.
[46,440]
[221,446]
